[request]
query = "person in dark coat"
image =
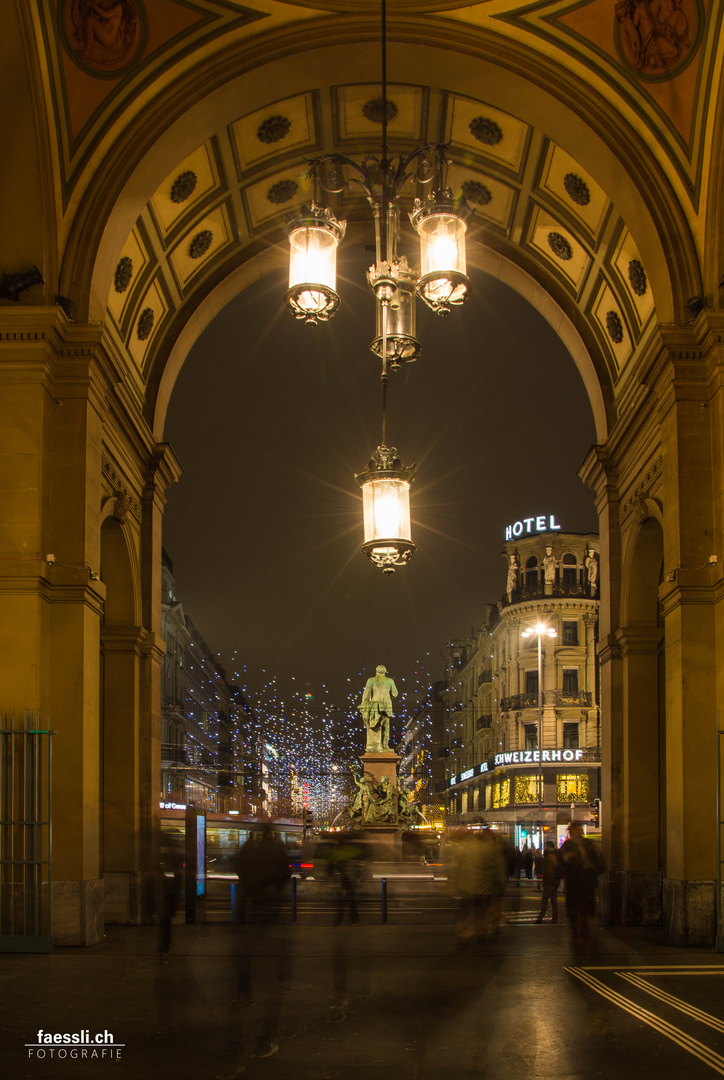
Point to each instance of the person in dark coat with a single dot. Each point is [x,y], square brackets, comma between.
[581,864]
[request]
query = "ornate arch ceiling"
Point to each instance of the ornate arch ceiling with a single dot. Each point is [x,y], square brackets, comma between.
[226,201]
[223,199]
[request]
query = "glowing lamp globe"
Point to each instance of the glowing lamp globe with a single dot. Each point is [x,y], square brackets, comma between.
[441,226]
[314,236]
[385,487]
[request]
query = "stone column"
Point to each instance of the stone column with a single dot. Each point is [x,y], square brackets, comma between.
[513,666]
[162,471]
[599,473]
[52,408]
[590,715]
[550,676]
[687,601]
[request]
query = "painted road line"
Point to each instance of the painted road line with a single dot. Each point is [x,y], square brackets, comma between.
[674,1002]
[686,1042]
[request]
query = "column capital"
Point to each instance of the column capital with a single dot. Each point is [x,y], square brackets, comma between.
[639,639]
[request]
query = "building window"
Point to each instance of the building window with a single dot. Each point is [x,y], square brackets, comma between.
[572,787]
[531,682]
[531,572]
[570,570]
[570,736]
[570,680]
[570,632]
[501,793]
[531,736]
[526,789]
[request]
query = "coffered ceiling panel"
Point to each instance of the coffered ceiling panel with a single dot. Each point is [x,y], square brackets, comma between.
[559,248]
[487,134]
[563,180]
[283,127]
[186,187]
[358,115]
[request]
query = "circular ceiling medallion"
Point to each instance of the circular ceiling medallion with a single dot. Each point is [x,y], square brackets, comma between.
[658,40]
[103,37]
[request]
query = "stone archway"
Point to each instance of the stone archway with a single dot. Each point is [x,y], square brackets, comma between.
[85,393]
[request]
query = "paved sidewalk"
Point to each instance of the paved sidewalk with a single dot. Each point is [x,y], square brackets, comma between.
[345,1004]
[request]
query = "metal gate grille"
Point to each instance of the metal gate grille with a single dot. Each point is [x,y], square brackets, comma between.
[25,834]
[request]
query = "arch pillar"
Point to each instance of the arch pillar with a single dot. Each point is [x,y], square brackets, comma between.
[642,801]
[686,597]
[52,408]
[599,472]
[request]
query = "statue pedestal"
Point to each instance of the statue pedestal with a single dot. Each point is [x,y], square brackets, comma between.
[385,842]
[384,837]
[377,765]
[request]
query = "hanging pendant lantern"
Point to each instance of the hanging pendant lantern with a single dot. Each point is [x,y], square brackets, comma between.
[394,287]
[385,487]
[441,226]
[314,235]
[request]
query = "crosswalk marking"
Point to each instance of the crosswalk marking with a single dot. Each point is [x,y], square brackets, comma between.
[693,1046]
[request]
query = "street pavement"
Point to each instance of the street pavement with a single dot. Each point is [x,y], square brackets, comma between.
[402,997]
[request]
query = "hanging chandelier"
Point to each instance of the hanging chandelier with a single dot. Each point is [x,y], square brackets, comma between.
[440,221]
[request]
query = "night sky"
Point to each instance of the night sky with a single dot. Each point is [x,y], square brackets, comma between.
[271,419]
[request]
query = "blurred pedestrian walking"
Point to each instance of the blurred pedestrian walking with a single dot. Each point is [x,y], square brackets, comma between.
[263,868]
[552,874]
[344,862]
[582,865]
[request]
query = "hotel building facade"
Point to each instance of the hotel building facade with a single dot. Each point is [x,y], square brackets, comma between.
[504,736]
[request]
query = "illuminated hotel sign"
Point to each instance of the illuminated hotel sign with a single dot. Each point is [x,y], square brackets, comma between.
[538,524]
[518,757]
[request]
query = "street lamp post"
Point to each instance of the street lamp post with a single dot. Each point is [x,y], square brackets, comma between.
[540,630]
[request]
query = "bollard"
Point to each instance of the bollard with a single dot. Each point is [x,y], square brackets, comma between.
[294,899]
[384,899]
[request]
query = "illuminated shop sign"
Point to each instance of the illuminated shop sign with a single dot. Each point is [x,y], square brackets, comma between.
[469,774]
[517,757]
[172,805]
[523,757]
[538,524]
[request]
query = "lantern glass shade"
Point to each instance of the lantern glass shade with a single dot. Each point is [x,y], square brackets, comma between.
[402,344]
[313,269]
[313,258]
[386,504]
[442,244]
[443,282]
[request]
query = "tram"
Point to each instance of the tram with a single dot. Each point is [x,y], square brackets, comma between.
[224,834]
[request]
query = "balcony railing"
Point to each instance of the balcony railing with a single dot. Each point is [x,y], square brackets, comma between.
[559,698]
[542,592]
[569,697]
[519,701]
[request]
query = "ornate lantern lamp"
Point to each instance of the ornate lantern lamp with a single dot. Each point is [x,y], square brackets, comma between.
[313,239]
[394,287]
[441,226]
[385,487]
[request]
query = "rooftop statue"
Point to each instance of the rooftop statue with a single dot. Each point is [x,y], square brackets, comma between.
[376,709]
